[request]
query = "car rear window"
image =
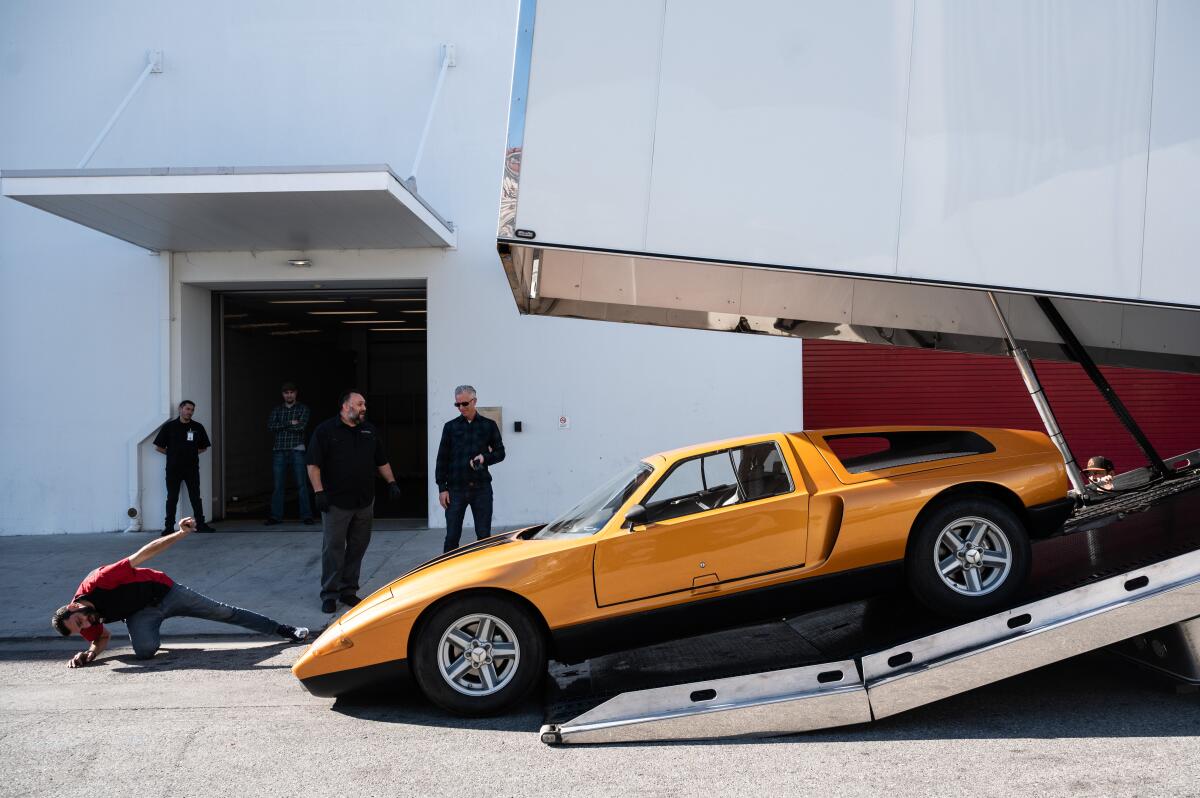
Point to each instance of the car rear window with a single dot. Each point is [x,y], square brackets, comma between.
[876,451]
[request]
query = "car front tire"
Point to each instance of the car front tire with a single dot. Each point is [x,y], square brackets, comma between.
[478,655]
[968,556]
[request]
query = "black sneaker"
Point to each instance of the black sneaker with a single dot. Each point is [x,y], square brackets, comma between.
[351,600]
[329,606]
[272,522]
[296,634]
[205,528]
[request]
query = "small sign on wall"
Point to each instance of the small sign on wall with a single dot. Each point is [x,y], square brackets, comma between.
[494,413]
[564,422]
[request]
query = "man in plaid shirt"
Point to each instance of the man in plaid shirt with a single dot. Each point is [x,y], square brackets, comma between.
[470,443]
[288,422]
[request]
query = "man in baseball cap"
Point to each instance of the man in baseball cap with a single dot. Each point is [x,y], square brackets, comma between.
[1099,472]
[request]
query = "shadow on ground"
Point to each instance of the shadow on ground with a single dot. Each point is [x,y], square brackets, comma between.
[405,704]
[195,655]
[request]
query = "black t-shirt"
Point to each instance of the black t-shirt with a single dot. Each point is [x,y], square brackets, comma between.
[118,590]
[348,458]
[182,453]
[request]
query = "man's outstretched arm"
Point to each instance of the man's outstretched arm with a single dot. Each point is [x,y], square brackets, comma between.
[156,547]
[93,650]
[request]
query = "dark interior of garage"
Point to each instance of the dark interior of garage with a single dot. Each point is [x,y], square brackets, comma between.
[324,342]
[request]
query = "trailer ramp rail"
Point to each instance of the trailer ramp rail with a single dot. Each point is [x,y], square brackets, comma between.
[906,676]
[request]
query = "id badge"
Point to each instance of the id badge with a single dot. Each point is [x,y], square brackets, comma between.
[191,436]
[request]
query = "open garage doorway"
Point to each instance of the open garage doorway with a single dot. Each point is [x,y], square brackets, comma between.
[324,342]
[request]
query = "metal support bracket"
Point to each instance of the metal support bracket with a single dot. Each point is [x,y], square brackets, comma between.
[1077,352]
[1173,651]
[449,59]
[154,66]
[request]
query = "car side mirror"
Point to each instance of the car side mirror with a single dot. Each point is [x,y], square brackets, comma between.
[636,516]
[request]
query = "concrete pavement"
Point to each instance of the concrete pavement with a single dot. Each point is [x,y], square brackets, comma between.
[274,571]
[212,717]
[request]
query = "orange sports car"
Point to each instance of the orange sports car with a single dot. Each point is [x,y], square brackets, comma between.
[706,537]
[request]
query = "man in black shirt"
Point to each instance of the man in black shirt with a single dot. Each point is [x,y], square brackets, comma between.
[183,440]
[344,455]
[470,443]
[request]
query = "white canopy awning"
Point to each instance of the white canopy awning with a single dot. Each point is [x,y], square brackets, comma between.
[239,208]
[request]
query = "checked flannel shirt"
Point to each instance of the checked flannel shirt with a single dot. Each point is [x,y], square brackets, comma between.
[288,436]
[461,441]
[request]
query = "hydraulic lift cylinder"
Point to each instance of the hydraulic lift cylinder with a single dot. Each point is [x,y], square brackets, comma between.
[1025,366]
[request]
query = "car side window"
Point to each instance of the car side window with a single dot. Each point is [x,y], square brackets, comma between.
[678,494]
[696,485]
[761,471]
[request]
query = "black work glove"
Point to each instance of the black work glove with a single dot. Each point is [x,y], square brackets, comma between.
[394,491]
[322,501]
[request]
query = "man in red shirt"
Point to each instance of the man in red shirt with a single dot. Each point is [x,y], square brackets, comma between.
[143,598]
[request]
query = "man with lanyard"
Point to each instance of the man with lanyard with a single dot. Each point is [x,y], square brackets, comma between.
[143,598]
[183,440]
[288,421]
[470,443]
[344,456]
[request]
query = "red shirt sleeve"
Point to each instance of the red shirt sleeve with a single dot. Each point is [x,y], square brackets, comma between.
[106,577]
[114,575]
[92,633]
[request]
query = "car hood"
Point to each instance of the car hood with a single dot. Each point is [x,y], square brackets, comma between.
[496,561]
[489,542]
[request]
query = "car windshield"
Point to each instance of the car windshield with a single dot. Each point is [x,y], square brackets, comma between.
[590,515]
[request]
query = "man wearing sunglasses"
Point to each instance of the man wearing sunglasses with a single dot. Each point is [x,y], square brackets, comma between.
[470,443]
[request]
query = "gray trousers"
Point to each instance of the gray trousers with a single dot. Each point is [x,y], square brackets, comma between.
[347,533]
[180,602]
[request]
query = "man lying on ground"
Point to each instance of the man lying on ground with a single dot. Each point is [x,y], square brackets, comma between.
[143,598]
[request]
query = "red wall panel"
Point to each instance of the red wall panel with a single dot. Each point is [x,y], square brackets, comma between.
[848,384]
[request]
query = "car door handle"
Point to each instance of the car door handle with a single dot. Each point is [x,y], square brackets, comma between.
[705,584]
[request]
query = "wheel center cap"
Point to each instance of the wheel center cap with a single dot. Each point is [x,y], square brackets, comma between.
[973,556]
[478,656]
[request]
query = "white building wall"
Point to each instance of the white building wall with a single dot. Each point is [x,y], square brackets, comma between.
[306,83]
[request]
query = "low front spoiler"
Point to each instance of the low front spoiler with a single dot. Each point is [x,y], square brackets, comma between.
[331,685]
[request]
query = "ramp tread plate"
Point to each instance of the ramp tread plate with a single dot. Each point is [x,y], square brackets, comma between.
[761,704]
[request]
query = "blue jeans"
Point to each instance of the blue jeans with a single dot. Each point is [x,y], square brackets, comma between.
[479,499]
[279,465]
[182,602]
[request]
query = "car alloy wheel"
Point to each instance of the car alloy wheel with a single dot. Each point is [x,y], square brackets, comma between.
[967,554]
[973,556]
[478,655]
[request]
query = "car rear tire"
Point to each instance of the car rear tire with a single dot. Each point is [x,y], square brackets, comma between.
[478,655]
[968,556]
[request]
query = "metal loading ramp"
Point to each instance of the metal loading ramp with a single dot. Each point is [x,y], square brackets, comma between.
[1156,592]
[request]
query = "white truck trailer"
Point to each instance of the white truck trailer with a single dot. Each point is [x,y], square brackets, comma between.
[944,174]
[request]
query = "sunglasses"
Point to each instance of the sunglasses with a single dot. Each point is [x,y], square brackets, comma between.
[463,404]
